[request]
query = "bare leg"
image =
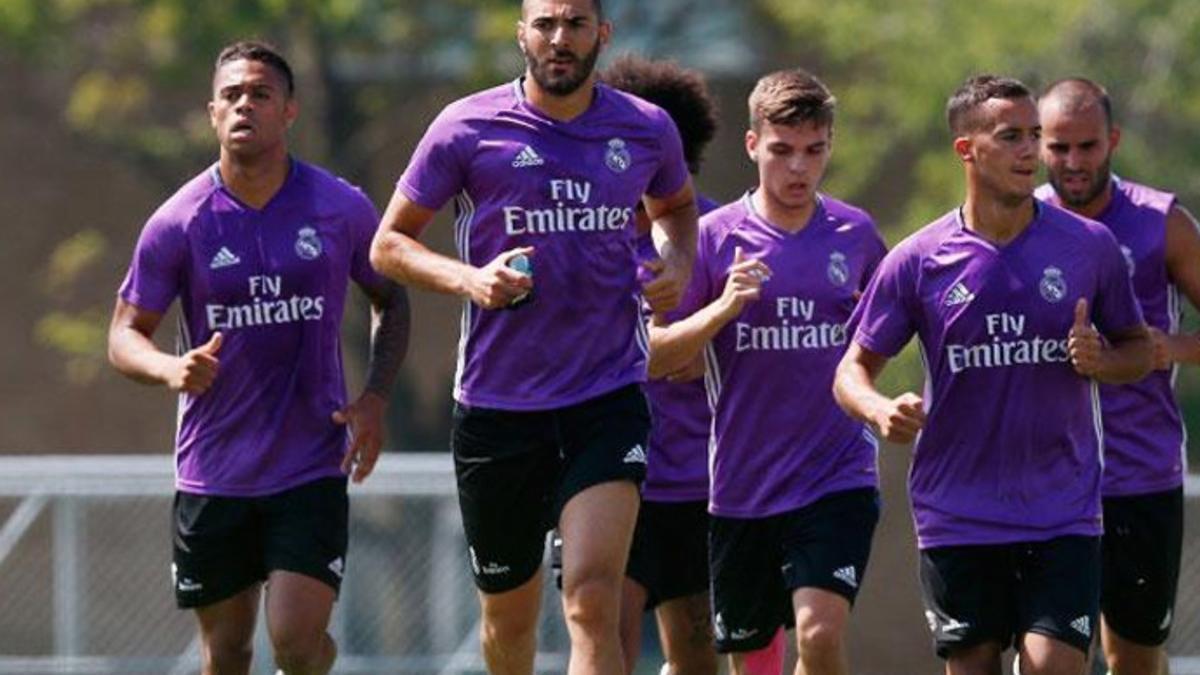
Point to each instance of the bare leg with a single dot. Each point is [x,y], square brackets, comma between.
[1130,658]
[509,627]
[633,602]
[1043,655]
[298,611]
[981,659]
[227,633]
[685,629]
[821,618]
[597,528]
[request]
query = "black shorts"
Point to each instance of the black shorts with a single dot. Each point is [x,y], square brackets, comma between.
[223,545]
[516,470]
[669,556]
[758,562]
[1142,545]
[998,593]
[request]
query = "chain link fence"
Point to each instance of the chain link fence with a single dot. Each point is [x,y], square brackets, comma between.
[85,577]
[85,581]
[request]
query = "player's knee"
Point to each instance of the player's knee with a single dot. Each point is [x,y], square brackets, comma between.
[296,651]
[592,603]
[820,632]
[819,637]
[228,657]
[503,626]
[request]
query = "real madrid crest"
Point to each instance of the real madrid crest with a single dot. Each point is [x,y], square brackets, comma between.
[617,157]
[308,245]
[837,271]
[1053,287]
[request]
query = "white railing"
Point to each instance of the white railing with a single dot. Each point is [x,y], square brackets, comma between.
[74,527]
[405,523]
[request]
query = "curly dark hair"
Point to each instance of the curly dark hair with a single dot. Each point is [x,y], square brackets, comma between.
[679,91]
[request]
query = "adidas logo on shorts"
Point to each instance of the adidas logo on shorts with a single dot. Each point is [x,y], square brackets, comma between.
[338,567]
[527,157]
[1083,625]
[636,455]
[223,258]
[847,575]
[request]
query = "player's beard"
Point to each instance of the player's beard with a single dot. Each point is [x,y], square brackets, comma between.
[1099,181]
[567,84]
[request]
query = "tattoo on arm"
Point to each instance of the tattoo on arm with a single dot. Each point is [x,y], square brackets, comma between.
[389,337]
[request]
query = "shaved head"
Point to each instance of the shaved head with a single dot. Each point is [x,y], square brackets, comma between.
[597,5]
[1075,95]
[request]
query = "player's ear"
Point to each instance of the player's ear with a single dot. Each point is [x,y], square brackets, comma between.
[752,145]
[963,147]
[605,33]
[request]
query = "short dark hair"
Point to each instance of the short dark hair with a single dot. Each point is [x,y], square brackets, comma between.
[679,91]
[791,97]
[1079,93]
[977,90]
[597,4]
[251,50]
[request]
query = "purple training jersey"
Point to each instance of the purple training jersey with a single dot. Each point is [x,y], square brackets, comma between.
[779,441]
[569,189]
[273,282]
[1010,450]
[677,450]
[1144,446]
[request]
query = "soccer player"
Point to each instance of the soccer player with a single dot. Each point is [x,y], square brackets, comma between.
[550,424]
[668,561]
[1009,297]
[793,495]
[1143,433]
[259,248]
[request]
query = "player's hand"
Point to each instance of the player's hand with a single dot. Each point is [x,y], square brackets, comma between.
[901,419]
[195,370]
[364,418]
[495,285]
[1083,342]
[668,279]
[744,284]
[1162,349]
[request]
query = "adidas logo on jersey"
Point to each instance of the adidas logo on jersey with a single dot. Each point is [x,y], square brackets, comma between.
[223,258]
[527,157]
[338,567]
[636,455]
[847,575]
[959,295]
[1083,625]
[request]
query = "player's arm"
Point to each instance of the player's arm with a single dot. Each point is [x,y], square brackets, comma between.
[897,419]
[390,322]
[674,347]
[133,353]
[396,254]
[673,224]
[1183,267]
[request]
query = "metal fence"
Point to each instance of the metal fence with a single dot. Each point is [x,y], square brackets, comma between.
[85,582]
